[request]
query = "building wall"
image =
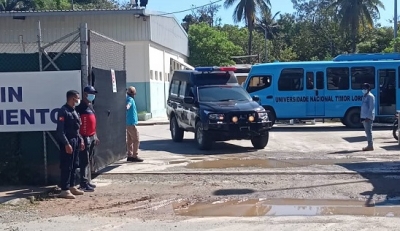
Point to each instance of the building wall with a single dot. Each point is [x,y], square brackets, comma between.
[166,31]
[148,70]
[137,72]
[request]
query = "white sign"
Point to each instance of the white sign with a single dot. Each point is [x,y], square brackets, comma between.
[114,82]
[29,101]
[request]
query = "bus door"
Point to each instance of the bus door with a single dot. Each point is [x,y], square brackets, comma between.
[315,90]
[386,92]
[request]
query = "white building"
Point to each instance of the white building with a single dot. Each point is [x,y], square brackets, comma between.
[156,44]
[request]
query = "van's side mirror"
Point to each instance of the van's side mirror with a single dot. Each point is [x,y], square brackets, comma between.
[188,100]
[255,98]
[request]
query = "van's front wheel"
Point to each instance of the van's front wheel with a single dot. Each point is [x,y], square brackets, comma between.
[204,142]
[260,142]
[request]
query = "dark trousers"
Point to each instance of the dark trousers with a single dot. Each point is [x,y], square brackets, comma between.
[69,164]
[84,159]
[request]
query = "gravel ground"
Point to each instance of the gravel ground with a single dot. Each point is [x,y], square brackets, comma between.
[127,199]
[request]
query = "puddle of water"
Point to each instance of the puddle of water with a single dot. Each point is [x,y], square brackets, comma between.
[177,162]
[269,163]
[285,207]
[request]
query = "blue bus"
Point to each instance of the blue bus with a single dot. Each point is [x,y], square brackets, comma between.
[327,89]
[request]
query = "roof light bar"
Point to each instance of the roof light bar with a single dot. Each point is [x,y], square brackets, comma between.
[214,68]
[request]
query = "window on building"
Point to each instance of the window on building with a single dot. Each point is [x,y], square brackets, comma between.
[338,78]
[156,75]
[257,83]
[291,79]
[174,89]
[361,75]
[160,75]
[151,74]
[167,74]
[320,80]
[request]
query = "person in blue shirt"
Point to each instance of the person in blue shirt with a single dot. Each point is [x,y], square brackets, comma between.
[368,114]
[132,134]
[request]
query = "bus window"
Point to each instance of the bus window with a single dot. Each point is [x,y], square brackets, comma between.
[320,80]
[338,78]
[257,83]
[291,79]
[361,75]
[310,80]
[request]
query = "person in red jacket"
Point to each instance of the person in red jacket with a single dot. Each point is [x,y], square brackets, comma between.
[88,133]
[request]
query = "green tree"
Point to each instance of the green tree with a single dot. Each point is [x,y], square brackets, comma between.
[375,40]
[246,10]
[210,46]
[355,15]
[15,5]
[207,14]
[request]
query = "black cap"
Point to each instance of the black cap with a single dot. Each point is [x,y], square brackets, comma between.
[89,89]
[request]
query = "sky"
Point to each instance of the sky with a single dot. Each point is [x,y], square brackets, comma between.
[284,6]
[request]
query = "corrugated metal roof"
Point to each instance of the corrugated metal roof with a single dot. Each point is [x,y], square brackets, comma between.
[140,11]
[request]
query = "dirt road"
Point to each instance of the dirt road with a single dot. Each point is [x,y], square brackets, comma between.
[303,180]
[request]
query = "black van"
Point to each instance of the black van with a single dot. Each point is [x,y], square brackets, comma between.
[209,102]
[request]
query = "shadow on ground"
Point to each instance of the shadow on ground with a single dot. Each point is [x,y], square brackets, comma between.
[25,192]
[189,147]
[383,184]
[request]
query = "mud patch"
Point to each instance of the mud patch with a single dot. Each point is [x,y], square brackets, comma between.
[269,163]
[286,207]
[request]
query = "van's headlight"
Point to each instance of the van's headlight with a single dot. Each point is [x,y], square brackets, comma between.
[262,114]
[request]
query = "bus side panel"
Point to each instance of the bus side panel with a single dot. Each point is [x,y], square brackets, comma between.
[290,99]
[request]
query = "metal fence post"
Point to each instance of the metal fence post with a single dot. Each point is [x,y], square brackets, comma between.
[39,37]
[84,53]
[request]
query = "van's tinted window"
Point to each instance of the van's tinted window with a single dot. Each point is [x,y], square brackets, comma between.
[215,78]
[174,88]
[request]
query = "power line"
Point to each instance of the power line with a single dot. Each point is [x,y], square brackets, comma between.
[197,7]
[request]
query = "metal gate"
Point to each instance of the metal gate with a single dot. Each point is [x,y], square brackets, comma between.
[32,157]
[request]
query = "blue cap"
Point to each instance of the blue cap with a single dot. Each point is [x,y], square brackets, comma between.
[89,89]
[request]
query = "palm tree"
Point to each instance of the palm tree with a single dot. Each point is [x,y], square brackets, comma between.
[355,15]
[268,22]
[246,10]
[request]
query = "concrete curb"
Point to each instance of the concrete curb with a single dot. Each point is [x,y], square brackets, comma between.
[144,123]
[371,172]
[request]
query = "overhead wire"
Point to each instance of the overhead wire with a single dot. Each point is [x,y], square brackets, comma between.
[193,8]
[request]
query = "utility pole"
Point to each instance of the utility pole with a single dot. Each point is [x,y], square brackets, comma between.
[395,19]
[395,24]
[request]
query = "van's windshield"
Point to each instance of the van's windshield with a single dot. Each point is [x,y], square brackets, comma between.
[222,93]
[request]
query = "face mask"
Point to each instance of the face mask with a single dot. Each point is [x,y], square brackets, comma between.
[364,91]
[77,103]
[91,97]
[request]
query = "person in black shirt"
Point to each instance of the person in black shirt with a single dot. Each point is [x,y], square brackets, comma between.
[88,132]
[70,142]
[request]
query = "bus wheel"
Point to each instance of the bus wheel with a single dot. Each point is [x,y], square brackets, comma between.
[352,118]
